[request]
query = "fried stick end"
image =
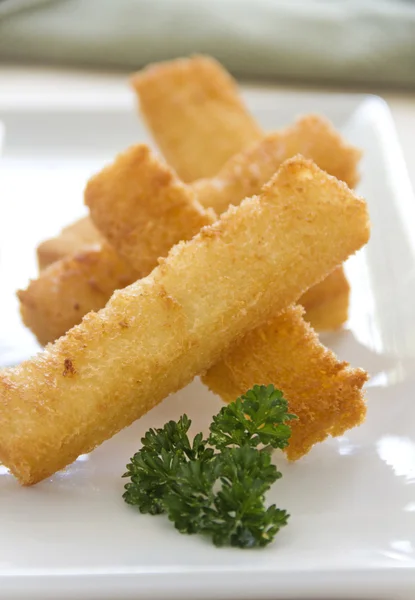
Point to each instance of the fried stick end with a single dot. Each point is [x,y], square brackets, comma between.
[140,205]
[196,95]
[325,393]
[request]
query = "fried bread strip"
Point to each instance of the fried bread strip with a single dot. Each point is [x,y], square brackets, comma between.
[143,208]
[154,336]
[195,114]
[324,393]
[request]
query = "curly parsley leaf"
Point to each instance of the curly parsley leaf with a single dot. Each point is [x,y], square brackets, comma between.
[216,487]
[257,417]
[153,468]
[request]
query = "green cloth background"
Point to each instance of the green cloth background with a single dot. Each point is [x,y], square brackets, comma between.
[359,41]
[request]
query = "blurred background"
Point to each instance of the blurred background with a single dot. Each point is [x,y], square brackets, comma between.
[361,42]
[71,46]
[343,45]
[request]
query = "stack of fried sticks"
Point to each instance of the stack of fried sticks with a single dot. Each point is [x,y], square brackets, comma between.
[249,229]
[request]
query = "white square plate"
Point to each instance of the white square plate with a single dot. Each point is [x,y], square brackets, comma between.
[352,500]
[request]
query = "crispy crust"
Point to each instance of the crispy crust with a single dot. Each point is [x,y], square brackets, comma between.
[246,172]
[155,335]
[196,96]
[324,393]
[142,208]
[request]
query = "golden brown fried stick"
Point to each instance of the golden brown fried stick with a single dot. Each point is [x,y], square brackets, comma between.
[155,335]
[324,393]
[70,288]
[143,207]
[246,172]
[195,114]
[71,240]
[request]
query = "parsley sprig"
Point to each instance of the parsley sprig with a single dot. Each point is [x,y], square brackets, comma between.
[216,486]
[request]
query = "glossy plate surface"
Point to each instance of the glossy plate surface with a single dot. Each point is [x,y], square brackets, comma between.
[352,500]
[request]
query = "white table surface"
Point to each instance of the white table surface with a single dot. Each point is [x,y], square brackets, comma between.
[20,86]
